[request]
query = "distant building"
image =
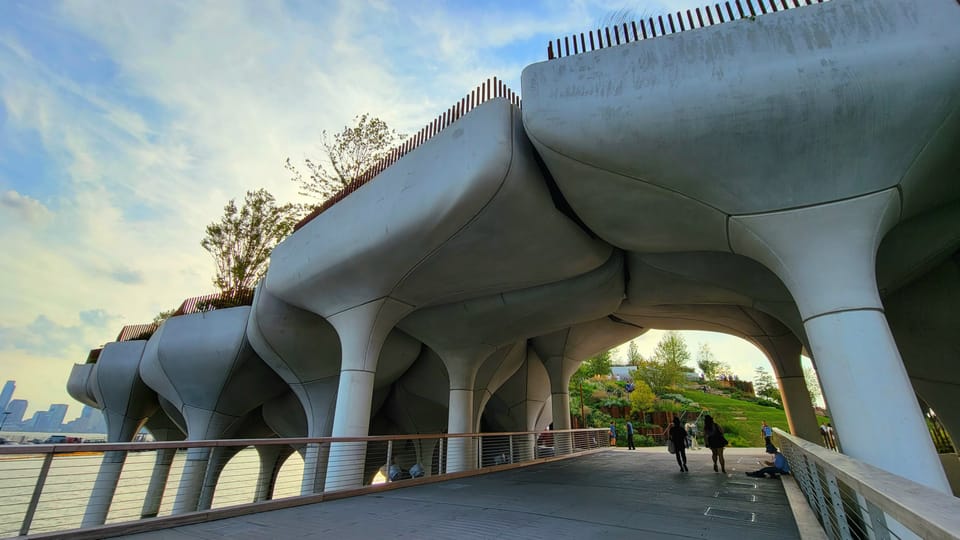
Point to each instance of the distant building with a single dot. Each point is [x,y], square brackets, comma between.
[57,412]
[17,408]
[90,421]
[38,422]
[623,373]
[7,394]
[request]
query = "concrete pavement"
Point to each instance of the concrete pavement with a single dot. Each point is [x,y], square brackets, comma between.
[614,494]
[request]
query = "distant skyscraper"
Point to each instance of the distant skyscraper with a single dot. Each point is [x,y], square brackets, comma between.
[17,408]
[7,394]
[57,412]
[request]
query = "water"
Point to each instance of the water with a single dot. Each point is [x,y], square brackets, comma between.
[71,477]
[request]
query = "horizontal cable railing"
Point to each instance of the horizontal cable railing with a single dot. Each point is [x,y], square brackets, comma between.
[852,499]
[103,490]
[652,27]
[211,302]
[491,89]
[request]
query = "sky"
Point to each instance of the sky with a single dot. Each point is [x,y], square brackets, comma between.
[126,126]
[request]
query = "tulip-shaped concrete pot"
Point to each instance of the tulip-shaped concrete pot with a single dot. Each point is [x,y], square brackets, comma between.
[204,365]
[126,403]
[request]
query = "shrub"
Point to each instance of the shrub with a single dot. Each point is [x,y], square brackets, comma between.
[644,440]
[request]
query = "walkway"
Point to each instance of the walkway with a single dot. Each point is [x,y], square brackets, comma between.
[615,494]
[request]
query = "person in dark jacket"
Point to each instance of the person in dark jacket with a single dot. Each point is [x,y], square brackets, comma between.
[715,441]
[678,435]
[630,444]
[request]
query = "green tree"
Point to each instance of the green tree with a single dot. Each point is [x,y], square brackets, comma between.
[672,350]
[764,385]
[707,362]
[242,240]
[641,398]
[813,384]
[598,364]
[163,316]
[348,154]
[633,354]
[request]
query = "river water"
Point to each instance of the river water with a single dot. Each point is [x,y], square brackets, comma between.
[71,477]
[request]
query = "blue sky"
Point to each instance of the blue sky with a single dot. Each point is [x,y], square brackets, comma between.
[126,126]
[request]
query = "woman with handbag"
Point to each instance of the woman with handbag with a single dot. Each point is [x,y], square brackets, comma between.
[677,437]
[715,441]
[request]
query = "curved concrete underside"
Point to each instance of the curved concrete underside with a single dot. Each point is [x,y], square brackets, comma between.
[787,180]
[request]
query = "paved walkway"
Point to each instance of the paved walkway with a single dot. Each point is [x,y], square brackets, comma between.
[614,494]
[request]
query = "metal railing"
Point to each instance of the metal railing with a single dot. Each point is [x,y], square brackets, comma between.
[486,91]
[852,499]
[652,27]
[133,332]
[211,302]
[103,490]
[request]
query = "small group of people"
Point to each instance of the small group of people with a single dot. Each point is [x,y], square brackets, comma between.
[682,438]
[829,436]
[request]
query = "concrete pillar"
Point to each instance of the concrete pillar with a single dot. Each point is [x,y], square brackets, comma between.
[104,488]
[191,481]
[799,408]
[219,457]
[559,371]
[271,460]
[362,331]
[158,482]
[826,255]
[461,455]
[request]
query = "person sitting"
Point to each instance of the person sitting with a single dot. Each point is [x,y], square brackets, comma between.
[773,468]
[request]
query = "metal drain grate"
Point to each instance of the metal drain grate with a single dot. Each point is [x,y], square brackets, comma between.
[738,515]
[751,485]
[736,495]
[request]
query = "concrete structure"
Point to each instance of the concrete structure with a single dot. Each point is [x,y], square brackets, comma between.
[790,179]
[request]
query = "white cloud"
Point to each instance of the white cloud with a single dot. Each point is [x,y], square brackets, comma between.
[24,208]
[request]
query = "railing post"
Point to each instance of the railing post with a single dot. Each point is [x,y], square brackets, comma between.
[510,438]
[878,519]
[479,452]
[837,499]
[37,491]
[818,495]
[440,467]
[389,458]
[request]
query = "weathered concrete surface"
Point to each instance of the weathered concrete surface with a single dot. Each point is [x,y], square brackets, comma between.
[614,494]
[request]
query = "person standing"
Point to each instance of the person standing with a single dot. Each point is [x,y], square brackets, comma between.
[767,432]
[715,441]
[613,434]
[678,436]
[630,445]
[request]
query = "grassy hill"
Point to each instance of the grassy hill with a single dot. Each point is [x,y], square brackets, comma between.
[739,419]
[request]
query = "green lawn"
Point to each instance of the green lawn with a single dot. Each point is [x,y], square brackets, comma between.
[741,420]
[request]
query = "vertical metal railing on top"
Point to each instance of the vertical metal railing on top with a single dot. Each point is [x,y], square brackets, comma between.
[652,27]
[137,331]
[56,488]
[486,91]
[211,302]
[852,499]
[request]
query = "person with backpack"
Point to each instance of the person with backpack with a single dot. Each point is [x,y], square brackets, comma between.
[715,441]
[678,436]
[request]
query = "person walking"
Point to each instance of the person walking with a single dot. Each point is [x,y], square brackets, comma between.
[692,435]
[715,441]
[678,436]
[630,445]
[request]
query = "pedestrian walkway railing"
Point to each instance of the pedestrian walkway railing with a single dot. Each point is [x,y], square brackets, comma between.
[104,490]
[852,499]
